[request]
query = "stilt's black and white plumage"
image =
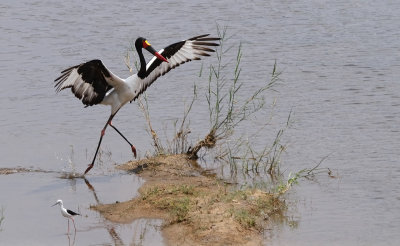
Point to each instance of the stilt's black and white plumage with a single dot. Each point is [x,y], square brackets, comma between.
[69,214]
[93,83]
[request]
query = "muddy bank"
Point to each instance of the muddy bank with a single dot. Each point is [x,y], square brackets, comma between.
[197,208]
[14,170]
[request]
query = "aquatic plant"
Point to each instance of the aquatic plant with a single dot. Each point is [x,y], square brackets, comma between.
[307,173]
[227,110]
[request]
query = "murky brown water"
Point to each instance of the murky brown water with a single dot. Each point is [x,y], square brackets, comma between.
[340,62]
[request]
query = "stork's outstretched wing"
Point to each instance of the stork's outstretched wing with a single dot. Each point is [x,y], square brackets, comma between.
[89,81]
[176,54]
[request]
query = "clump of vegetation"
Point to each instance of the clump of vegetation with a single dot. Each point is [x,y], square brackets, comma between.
[256,208]
[226,109]
[175,199]
[306,173]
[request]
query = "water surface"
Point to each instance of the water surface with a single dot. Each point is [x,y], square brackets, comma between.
[340,68]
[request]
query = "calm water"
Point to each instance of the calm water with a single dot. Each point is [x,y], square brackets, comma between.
[340,63]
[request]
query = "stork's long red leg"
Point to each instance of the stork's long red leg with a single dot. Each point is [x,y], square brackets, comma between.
[132,147]
[98,145]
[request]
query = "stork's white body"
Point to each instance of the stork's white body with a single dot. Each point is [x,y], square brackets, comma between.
[122,93]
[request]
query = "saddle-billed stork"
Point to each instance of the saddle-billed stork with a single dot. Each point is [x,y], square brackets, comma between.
[93,83]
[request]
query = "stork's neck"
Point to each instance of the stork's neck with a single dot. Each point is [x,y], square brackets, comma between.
[142,71]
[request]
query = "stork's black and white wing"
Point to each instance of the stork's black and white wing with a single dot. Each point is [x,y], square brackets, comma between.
[176,54]
[89,81]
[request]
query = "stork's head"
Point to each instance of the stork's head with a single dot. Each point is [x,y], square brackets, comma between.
[143,43]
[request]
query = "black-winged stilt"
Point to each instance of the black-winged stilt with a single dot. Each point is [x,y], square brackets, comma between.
[69,214]
[93,83]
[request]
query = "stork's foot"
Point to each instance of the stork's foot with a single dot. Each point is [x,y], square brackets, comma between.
[133,150]
[89,167]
